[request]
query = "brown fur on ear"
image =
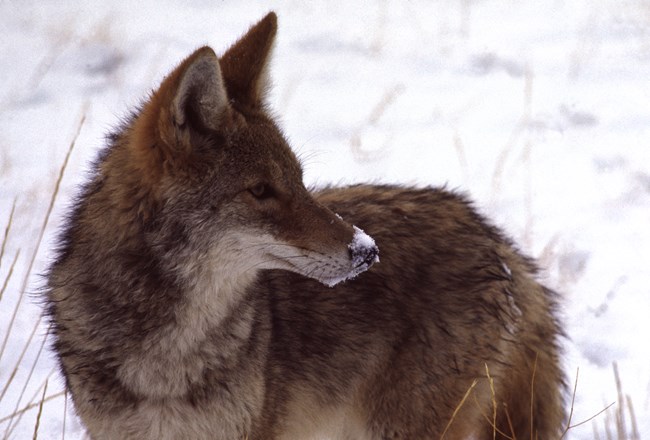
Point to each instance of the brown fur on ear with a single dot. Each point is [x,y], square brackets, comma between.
[244,65]
[190,100]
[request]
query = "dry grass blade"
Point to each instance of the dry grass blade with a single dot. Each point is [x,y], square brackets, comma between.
[375,115]
[462,156]
[13,424]
[532,398]
[65,412]
[7,229]
[615,418]
[528,194]
[494,402]
[13,264]
[509,420]
[573,399]
[593,417]
[9,274]
[492,423]
[520,126]
[621,431]
[458,407]
[385,102]
[608,424]
[635,428]
[624,408]
[595,431]
[30,407]
[15,370]
[40,412]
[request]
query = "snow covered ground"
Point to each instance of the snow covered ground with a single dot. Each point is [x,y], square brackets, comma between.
[539,109]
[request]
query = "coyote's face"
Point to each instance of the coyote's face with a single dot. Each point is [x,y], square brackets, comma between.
[229,189]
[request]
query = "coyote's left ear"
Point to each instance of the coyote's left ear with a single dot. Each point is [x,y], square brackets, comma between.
[199,98]
[191,100]
[245,64]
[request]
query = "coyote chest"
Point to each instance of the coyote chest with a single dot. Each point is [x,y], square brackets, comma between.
[205,333]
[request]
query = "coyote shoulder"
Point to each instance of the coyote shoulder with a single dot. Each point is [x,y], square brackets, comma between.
[200,291]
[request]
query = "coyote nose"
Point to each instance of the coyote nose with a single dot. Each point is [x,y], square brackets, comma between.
[372,256]
[363,251]
[364,256]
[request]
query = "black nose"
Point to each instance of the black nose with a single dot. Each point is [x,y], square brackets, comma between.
[364,256]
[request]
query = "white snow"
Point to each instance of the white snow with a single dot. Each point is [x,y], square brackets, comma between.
[361,244]
[540,110]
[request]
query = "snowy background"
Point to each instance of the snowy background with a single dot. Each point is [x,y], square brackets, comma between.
[540,110]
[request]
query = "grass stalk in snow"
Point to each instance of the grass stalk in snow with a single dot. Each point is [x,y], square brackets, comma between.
[7,229]
[356,144]
[5,239]
[14,417]
[40,412]
[459,147]
[23,288]
[41,233]
[13,424]
[602,411]
[30,407]
[65,412]
[573,399]
[618,419]
[624,411]
[635,427]
[9,274]
[620,408]
[520,126]
[18,362]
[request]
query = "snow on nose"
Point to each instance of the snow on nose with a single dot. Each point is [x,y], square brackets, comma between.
[363,251]
[363,254]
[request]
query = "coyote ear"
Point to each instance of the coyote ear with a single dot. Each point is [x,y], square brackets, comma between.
[190,100]
[200,98]
[245,64]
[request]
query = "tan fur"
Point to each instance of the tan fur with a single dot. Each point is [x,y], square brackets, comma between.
[191,295]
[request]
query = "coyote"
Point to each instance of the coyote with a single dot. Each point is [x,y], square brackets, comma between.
[200,291]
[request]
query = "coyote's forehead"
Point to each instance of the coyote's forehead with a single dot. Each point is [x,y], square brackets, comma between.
[258,155]
[261,152]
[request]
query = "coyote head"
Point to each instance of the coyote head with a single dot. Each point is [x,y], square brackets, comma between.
[226,187]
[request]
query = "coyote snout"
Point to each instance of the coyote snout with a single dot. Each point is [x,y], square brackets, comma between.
[329,250]
[362,253]
[363,250]
[200,291]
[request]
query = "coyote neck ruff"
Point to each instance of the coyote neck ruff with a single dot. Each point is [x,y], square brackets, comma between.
[201,291]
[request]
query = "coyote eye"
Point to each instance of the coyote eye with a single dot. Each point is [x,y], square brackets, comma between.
[261,191]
